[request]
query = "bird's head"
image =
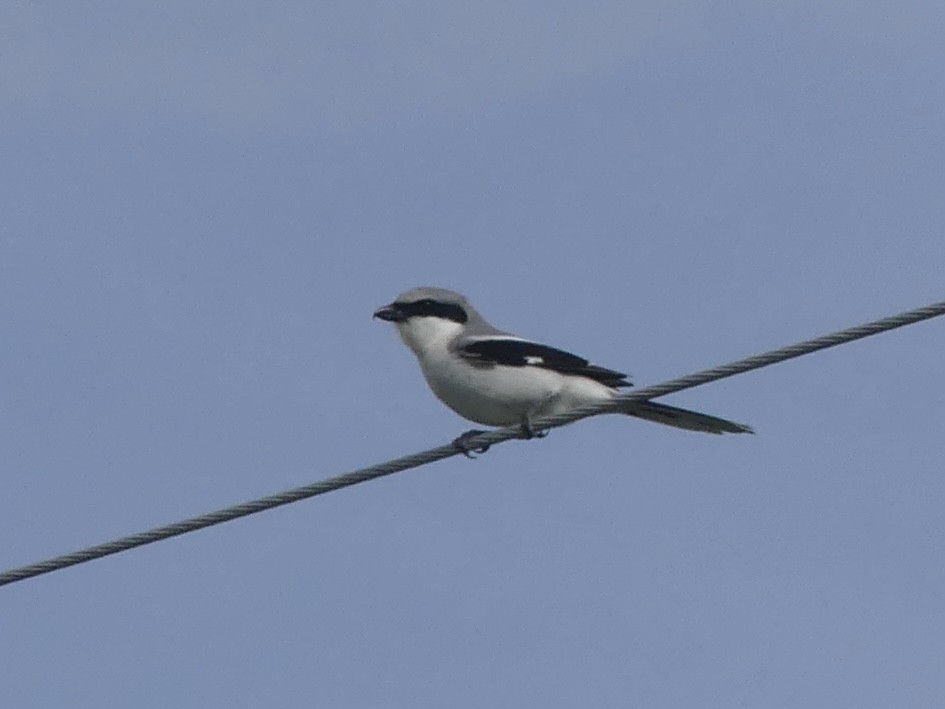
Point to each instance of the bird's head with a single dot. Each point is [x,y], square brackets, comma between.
[427,318]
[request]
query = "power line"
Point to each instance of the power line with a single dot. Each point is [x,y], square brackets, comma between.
[481,441]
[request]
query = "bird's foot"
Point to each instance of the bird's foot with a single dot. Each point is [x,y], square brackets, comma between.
[529,432]
[470,451]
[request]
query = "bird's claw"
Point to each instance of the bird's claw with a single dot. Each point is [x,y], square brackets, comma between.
[462,444]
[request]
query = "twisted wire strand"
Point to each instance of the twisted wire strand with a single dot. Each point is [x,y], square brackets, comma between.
[741,366]
[483,440]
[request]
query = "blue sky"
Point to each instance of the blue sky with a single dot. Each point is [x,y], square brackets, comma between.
[203,203]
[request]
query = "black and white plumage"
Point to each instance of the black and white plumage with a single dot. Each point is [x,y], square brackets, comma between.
[497,379]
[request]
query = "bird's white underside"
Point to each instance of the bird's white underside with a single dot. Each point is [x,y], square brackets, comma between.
[492,395]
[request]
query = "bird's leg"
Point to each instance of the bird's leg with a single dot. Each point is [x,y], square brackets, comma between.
[528,431]
[462,444]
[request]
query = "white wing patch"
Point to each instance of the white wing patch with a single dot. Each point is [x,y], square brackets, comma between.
[534,360]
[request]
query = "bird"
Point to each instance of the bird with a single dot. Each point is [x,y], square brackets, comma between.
[494,378]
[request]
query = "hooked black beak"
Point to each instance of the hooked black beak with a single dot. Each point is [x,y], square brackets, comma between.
[390,313]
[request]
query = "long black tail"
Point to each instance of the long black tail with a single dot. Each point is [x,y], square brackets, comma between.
[683,418]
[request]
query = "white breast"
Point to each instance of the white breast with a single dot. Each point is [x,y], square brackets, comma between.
[491,395]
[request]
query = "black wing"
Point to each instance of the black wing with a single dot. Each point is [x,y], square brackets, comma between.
[521,353]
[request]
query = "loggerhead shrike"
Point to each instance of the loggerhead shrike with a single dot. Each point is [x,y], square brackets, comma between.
[494,378]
